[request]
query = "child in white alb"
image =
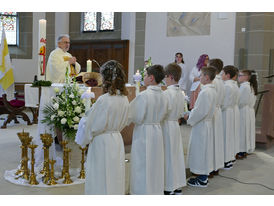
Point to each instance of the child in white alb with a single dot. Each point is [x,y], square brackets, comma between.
[175,176]
[200,152]
[146,111]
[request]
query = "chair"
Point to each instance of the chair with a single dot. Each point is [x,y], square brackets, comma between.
[12,108]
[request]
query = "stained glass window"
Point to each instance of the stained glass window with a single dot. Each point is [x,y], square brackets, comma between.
[107,21]
[90,23]
[95,21]
[9,20]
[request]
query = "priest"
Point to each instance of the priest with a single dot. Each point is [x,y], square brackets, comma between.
[60,60]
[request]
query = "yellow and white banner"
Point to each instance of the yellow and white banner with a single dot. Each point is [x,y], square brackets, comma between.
[6,71]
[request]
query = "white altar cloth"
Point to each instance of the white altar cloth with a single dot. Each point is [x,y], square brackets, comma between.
[31,96]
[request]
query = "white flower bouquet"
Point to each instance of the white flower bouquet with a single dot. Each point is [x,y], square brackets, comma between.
[65,110]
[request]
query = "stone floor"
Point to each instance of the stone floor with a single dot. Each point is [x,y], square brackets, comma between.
[252,176]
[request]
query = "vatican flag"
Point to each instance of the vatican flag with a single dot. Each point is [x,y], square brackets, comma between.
[6,72]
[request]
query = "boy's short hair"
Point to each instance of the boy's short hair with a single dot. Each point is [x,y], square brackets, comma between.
[210,71]
[157,71]
[230,69]
[217,63]
[174,70]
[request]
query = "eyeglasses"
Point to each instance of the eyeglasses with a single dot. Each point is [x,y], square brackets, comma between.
[240,75]
[66,42]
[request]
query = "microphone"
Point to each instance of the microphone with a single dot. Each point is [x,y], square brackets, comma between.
[96,63]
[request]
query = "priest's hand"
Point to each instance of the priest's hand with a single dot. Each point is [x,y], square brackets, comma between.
[72,60]
[186,116]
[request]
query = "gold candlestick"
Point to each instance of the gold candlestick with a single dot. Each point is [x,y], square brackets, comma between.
[25,141]
[64,144]
[82,172]
[47,141]
[67,179]
[33,180]
[52,178]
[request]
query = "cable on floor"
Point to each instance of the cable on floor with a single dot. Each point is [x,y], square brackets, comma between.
[247,183]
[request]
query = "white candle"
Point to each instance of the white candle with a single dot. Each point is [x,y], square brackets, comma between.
[137,78]
[89,66]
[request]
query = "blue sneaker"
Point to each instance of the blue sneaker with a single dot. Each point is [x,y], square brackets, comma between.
[196,182]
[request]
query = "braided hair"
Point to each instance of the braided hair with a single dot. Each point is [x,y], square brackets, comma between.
[114,78]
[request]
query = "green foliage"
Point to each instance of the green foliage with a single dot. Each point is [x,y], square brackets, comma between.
[41,83]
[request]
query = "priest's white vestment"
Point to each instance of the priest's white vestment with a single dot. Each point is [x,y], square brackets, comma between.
[200,150]
[228,120]
[56,66]
[105,169]
[175,176]
[218,139]
[147,110]
[252,122]
[245,95]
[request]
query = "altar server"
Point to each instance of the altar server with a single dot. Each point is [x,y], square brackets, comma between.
[175,176]
[218,139]
[228,115]
[254,89]
[147,110]
[245,96]
[105,169]
[236,115]
[200,152]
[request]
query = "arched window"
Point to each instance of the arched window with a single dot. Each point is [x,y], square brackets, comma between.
[98,21]
[9,20]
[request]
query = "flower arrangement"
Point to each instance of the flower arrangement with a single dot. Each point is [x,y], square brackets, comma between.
[148,63]
[65,110]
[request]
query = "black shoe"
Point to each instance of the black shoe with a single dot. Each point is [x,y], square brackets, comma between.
[178,192]
[211,174]
[168,193]
[228,166]
[196,182]
[215,172]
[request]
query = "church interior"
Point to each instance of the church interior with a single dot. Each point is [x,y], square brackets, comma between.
[243,39]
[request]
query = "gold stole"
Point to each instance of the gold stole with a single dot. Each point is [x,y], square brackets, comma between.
[72,69]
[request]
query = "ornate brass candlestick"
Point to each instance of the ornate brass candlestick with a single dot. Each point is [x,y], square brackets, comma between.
[47,141]
[67,179]
[52,178]
[64,143]
[33,180]
[82,172]
[25,140]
